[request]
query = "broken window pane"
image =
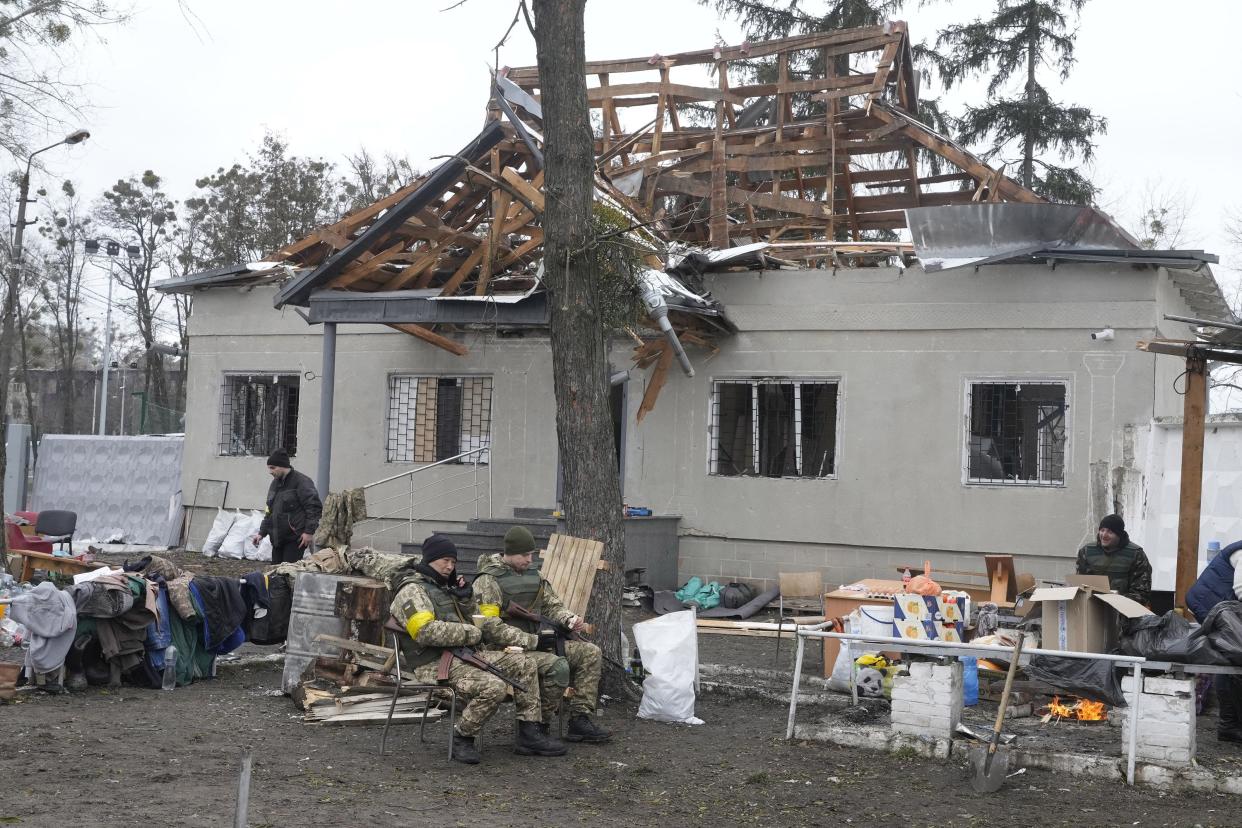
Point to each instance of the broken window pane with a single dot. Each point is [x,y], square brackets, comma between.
[259,414]
[792,422]
[436,418]
[1017,432]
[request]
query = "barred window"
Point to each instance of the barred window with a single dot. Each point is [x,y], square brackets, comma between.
[774,428]
[1017,432]
[435,418]
[259,414]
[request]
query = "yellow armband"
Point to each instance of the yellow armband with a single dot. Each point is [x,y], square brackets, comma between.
[490,610]
[418,621]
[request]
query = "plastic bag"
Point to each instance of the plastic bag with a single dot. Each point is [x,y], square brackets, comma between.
[1094,680]
[669,648]
[234,545]
[1222,631]
[841,668]
[1152,636]
[219,531]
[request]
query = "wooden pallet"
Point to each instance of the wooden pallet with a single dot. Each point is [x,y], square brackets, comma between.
[570,565]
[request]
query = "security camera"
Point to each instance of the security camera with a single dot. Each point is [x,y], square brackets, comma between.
[1105,335]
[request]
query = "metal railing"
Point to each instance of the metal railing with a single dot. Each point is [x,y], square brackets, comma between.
[417,501]
[947,648]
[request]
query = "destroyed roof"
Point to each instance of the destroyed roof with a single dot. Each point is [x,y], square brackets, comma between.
[802,145]
[758,167]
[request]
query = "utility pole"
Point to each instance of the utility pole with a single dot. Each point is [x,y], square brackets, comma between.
[14,282]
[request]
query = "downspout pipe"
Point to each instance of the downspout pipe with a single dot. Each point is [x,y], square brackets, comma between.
[657,309]
[327,391]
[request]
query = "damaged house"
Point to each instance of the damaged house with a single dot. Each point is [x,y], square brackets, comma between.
[806,392]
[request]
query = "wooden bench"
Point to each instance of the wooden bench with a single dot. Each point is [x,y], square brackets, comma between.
[32,560]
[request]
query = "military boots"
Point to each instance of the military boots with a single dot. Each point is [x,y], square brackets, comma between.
[582,729]
[464,749]
[531,741]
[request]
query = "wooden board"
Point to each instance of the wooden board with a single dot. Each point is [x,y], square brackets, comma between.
[570,564]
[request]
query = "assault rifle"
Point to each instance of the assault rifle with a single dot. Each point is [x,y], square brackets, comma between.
[467,655]
[562,632]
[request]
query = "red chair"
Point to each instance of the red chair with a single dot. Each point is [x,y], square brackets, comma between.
[16,539]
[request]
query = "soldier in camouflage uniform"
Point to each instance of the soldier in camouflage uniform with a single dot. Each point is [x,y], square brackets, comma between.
[435,606]
[508,577]
[1124,562]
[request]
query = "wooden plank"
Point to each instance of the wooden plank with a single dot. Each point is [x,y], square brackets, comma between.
[440,342]
[459,275]
[358,270]
[1194,408]
[686,185]
[531,192]
[964,160]
[655,383]
[718,220]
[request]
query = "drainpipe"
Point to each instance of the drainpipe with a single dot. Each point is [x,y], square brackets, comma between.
[326,391]
[657,309]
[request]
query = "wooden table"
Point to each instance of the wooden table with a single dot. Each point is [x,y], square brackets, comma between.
[41,560]
[840,603]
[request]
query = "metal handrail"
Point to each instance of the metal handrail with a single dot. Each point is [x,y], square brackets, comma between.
[409,509]
[479,450]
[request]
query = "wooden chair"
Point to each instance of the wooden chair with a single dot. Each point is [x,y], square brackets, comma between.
[801,592]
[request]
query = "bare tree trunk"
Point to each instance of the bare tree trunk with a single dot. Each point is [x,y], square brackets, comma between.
[592,494]
[1028,139]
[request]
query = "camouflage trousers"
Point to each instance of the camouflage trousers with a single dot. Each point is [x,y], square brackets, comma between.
[484,692]
[583,675]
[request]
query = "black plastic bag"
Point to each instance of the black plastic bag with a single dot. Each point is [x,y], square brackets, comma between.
[1088,678]
[1152,636]
[1222,631]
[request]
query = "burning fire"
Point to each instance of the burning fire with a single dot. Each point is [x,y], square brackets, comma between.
[1080,709]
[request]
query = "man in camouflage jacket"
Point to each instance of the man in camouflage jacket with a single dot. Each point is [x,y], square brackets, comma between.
[508,577]
[1115,555]
[436,608]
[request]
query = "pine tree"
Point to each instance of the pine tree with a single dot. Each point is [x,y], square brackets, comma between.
[1020,38]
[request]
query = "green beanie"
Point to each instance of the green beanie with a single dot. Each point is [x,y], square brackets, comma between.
[519,541]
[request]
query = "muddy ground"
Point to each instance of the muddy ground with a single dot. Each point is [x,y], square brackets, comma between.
[143,757]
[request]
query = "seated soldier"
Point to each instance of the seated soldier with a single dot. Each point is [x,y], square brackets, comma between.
[508,577]
[435,606]
[1113,554]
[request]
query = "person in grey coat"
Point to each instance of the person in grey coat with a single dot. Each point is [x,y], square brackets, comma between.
[293,510]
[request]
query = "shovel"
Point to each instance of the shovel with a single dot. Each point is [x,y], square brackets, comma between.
[991,764]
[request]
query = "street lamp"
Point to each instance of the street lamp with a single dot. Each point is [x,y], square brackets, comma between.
[112,248]
[15,270]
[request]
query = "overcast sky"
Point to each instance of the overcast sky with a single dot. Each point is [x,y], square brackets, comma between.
[183,89]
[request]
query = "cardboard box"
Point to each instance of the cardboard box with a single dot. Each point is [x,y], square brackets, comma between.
[930,617]
[1083,615]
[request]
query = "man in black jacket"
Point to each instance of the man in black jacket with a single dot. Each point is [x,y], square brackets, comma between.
[293,510]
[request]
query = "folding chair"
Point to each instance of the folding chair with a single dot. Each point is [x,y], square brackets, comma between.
[801,592]
[393,628]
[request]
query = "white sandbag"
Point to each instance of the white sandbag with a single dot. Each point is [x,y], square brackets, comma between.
[842,667]
[219,531]
[669,647]
[235,541]
[262,552]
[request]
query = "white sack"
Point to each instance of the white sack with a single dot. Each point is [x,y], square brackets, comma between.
[235,541]
[262,552]
[669,647]
[219,530]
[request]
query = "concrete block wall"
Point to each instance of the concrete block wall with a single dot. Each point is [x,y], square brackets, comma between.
[1166,731]
[928,702]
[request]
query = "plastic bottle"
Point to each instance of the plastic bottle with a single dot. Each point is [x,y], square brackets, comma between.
[170,668]
[1213,550]
[905,578]
[970,680]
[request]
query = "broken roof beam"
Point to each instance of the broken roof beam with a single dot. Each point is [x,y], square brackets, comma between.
[432,338]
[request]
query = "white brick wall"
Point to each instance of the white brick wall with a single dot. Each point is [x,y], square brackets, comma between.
[1166,733]
[928,702]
